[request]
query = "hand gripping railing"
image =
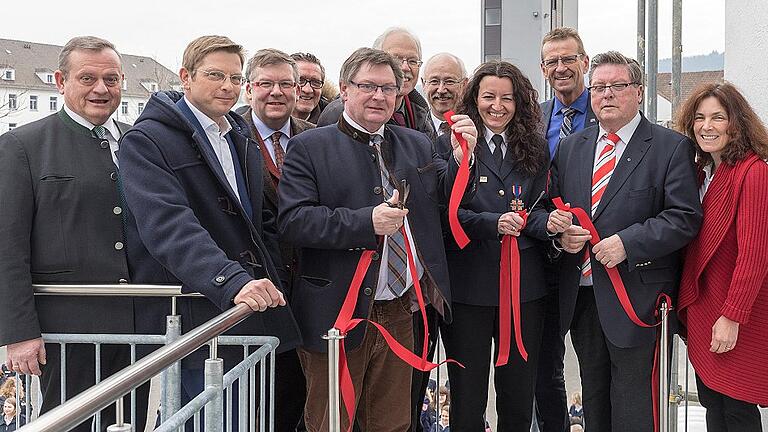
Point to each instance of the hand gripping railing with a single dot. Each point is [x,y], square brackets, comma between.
[112,389]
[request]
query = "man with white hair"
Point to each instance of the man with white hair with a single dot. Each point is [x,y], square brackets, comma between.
[444,79]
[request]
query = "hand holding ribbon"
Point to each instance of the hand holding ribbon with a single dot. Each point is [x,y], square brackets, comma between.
[463,147]
[509,296]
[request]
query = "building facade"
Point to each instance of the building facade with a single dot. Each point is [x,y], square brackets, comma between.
[28,89]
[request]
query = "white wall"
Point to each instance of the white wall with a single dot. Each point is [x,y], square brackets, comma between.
[746,47]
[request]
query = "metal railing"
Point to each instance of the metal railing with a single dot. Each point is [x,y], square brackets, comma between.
[165,360]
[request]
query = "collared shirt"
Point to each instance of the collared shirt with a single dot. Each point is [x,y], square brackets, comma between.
[110,125]
[266,132]
[709,174]
[625,133]
[382,293]
[491,145]
[218,140]
[437,121]
[556,120]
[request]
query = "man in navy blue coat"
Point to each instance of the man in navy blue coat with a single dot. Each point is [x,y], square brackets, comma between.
[332,192]
[192,178]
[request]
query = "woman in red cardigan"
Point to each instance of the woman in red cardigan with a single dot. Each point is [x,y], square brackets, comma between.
[724,290]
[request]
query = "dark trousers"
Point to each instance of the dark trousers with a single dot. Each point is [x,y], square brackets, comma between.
[551,398]
[290,391]
[468,340]
[616,382]
[381,380]
[81,375]
[725,414]
[420,379]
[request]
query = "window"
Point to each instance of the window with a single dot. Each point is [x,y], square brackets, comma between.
[49,78]
[12,102]
[33,103]
[493,16]
[141,107]
[11,126]
[54,104]
[125,84]
[124,108]
[153,87]
[9,75]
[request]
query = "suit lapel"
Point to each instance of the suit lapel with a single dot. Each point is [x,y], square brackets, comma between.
[589,119]
[486,158]
[633,154]
[586,153]
[507,163]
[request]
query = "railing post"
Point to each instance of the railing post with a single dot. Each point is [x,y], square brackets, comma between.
[214,410]
[334,414]
[120,425]
[171,402]
[664,368]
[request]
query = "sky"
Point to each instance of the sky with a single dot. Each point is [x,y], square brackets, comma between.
[332,29]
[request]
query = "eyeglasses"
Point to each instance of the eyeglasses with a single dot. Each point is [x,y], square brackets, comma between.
[315,84]
[387,89]
[412,62]
[566,60]
[600,89]
[218,76]
[446,82]
[269,85]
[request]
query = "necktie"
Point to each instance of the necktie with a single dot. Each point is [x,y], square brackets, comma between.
[444,128]
[566,127]
[279,152]
[399,118]
[498,155]
[396,258]
[601,175]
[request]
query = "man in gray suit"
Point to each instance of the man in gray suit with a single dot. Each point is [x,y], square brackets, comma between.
[60,222]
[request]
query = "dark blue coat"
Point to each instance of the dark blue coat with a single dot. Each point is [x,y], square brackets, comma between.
[474,270]
[185,225]
[330,185]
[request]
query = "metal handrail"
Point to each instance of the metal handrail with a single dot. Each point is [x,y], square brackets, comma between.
[112,290]
[81,407]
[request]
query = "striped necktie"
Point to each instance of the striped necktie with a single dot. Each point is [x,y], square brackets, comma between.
[397,260]
[601,175]
[566,127]
[279,152]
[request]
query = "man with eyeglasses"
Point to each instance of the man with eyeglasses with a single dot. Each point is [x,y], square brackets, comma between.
[637,183]
[444,79]
[310,102]
[563,63]
[193,180]
[338,197]
[273,82]
[411,109]
[61,223]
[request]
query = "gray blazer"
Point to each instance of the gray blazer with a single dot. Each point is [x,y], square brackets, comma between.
[60,222]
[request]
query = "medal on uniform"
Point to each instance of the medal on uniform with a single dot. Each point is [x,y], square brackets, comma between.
[516,204]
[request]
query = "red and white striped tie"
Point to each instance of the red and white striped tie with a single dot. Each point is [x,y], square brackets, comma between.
[601,175]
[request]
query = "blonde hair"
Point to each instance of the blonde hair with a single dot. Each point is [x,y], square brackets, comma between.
[204,45]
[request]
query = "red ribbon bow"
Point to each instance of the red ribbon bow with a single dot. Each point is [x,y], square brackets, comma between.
[459,186]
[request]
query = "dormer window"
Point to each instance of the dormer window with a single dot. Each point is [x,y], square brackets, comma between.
[9,75]
[150,86]
[49,78]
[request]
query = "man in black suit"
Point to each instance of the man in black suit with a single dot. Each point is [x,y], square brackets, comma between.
[411,109]
[335,182]
[444,79]
[637,182]
[193,179]
[61,222]
[272,88]
[564,62]
[310,102]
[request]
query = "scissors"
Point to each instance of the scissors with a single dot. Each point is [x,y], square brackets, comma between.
[403,189]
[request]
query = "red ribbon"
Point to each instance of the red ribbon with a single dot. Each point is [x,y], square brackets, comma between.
[459,186]
[509,294]
[613,273]
[345,323]
[626,304]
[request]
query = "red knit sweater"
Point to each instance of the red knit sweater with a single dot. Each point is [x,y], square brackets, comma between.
[725,273]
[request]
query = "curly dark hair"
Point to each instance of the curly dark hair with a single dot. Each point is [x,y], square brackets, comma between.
[745,129]
[523,133]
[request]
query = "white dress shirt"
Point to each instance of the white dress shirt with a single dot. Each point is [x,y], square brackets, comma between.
[113,136]
[218,141]
[266,132]
[709,174]
[491,145]
[436,121]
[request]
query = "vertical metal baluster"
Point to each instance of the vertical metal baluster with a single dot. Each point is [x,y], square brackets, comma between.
[214,377]
[334,415]
[262,393]
[272,390]
[63,369]
[97,355]
[196,420]
[171,400]
[252,398]
[134,424]
[229,408]
[242,398]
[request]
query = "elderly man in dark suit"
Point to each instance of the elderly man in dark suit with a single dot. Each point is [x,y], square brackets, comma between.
[564,62]
[193,179]
[335,182]
[637,182]
[61,222]
[272,88]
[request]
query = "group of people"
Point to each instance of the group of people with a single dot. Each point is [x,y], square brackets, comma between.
[606,214]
